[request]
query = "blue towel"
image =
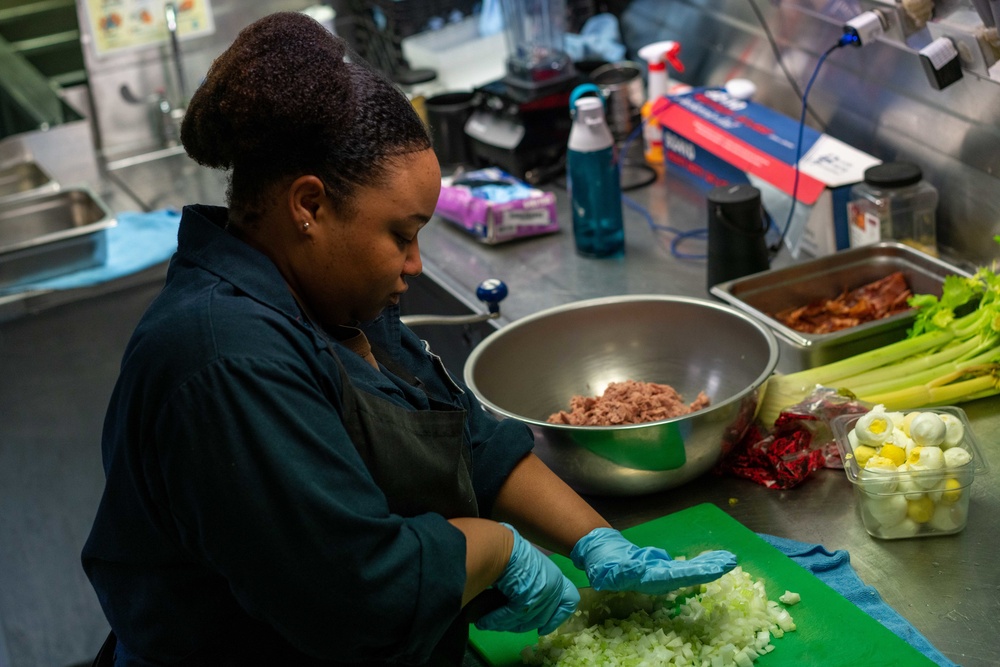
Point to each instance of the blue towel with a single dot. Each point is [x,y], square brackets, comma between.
[599,38]
[137,242]
[834,570]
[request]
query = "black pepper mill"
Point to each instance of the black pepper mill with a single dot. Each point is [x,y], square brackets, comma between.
[736,231]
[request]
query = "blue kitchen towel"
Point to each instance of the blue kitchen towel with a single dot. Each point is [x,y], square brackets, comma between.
[834,570]
[137,242]
[599,38]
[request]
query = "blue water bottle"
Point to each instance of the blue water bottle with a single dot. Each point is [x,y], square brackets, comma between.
[593,181]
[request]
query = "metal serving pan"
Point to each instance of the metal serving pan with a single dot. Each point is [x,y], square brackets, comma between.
[51,234]
[19,180]
[773,291]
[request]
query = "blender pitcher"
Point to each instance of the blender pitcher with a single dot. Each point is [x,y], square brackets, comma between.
[535,31]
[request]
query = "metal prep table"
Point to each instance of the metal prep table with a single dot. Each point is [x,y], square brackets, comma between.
[59,357]
[947,587]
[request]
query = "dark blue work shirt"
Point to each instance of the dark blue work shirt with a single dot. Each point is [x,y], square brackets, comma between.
[237,513]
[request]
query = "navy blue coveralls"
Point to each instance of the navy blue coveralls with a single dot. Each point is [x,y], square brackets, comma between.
[263,504]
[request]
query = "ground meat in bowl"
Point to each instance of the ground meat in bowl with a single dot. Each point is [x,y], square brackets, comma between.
[627,402]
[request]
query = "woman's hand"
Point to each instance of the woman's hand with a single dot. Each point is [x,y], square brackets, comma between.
[539,596]
[612,563]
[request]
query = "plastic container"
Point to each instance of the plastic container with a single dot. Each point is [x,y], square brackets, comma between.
[912,502]
[894,203]
[594,182]
[657,55]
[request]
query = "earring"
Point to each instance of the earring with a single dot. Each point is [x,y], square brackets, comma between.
[305,226]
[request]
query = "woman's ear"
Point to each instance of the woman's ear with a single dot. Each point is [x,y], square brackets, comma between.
[306,195]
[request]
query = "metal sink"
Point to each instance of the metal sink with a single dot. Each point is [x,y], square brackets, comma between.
[51,234]
[144,177]
[24,179]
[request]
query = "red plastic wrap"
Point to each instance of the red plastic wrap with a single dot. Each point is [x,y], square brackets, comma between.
[799,443]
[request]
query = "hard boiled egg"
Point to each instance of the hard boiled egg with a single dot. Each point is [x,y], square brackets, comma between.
[887,510]
[920,510]
[905,528]
[900,439]
[905,485]
[898,418]
[874,427]
[948,517]
[874,478]
[954,430]
[923,461]
[956,457]
[927,429]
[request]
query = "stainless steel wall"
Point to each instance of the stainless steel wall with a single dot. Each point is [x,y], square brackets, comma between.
[123,129]
[876,98]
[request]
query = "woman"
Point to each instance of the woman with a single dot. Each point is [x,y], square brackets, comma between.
[292,478]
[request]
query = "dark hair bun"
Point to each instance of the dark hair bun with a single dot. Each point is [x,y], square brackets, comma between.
[267,93]
[288,98]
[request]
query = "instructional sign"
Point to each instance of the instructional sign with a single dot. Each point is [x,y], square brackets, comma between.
[119,25]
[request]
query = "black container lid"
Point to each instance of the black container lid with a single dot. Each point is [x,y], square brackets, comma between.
[893,174]
[739,193]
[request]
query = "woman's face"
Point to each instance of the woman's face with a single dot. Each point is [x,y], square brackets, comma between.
[362,258]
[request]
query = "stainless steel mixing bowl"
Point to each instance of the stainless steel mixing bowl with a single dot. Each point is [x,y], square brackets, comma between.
[533,367]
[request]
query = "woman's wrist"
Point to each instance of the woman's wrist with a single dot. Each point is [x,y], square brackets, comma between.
[488,547]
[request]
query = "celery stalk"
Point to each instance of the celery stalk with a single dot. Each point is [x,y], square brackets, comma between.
[921,396]
[781,391]
[918,363]
[944,359]
[913,376]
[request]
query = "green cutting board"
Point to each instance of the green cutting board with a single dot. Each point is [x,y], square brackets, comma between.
[831,631]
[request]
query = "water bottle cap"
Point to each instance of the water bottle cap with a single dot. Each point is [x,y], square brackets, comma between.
[588,103]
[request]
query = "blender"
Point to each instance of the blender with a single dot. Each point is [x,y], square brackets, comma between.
[521,122]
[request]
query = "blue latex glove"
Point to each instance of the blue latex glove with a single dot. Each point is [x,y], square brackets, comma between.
[612,563]
[539,596]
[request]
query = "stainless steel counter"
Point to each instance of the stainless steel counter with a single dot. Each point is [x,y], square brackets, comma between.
[545,271]
[948,587]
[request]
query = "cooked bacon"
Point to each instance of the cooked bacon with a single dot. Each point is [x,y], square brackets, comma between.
[867,303]
[627,402]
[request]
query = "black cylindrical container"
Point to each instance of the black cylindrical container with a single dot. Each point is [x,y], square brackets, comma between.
[446,117]
[736,230]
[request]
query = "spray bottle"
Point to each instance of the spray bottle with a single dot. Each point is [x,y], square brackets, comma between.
[657,55]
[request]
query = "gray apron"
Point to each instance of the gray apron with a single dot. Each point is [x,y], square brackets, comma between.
[419,460]
[417,457]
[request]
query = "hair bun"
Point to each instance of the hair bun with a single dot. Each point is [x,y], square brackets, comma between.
[257,93]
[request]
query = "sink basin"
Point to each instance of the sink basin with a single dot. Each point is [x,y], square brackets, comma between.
[51,234]
[24,179]
[144,177]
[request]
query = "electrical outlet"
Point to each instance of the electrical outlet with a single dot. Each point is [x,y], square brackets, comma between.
[964,27]
[897,25]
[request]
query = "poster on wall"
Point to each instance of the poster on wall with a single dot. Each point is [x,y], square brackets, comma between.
[121,25]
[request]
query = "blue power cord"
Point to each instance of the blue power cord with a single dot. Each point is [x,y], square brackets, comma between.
[845,40]
[680,236]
